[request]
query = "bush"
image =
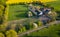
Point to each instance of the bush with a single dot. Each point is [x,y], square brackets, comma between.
[39,23]
[3,13]
[22,30]
[51,31]
[22,3]
[37,2]
[53,15]
[2,28]
[2,35]
[11,33]
[1,7]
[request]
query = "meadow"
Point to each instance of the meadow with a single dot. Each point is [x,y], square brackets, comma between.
[55,4]
[18,22]
[51,31]
[19,11]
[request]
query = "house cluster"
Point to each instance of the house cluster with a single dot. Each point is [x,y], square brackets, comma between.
[38,12]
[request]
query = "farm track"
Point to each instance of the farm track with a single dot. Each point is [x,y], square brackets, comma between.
[39,28]
[15,22]
[20,21]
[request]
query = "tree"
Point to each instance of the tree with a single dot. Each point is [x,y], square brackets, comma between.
[23,29]
[2,35]
[3,15]
[51,31]
[11,33]
[31,25]
[39,23]
[53,15]
[20,28]
[2,28]
[3,11]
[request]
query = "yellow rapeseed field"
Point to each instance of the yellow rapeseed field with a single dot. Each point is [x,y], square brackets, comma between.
[27,1]
[44,1]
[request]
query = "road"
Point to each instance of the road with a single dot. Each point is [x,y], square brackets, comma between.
[39,28]
[15,22]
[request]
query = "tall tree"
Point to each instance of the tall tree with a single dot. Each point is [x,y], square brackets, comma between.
[3,11]
[2,35]
[3,14]
[11,33]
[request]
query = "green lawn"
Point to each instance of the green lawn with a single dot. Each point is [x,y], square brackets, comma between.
[17,12]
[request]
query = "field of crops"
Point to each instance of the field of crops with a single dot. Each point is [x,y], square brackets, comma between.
[18,1]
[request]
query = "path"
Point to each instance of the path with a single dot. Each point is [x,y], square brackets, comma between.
[15,22]
[21,21]
[39,28]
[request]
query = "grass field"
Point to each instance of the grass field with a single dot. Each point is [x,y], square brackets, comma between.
[55,4]
[18,11]
[51,31]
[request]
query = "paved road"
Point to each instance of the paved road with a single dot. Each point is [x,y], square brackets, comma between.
[39,28]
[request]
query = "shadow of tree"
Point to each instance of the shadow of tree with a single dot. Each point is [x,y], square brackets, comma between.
[58,11]
[59,32]
[22,15]
[20,11]
[58,17]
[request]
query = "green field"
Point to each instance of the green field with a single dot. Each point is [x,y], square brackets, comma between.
[19,11]
[51,31]
[56,5]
